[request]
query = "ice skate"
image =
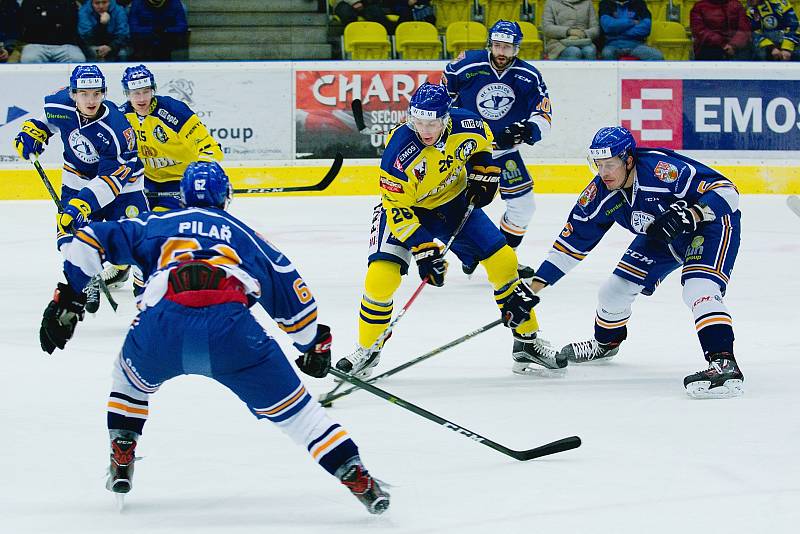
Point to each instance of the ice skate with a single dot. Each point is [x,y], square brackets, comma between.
[114,276]
[525,272]
[469,270]
[365,488]
[123,456]
[590,351]
[360,363]
[723,379]
[92,291]
[536,356]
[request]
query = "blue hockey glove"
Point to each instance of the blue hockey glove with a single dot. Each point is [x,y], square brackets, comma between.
[482,184]
[76,214]
[517,308]
[677,220]
[430,262]
[60,317]
[31,140]
[316,361]
[515,134]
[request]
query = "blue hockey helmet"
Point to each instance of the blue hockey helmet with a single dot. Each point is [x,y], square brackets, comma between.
[505,31]
[430,101]
[613,141]
[205,184]
[87,77]
[137,77]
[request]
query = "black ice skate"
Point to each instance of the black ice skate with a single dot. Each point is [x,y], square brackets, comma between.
[534,355]
[360,363]
[469,269]
[123,456]
[92,291]
[114,276]
[590,351]
[722,379]
[525,272]
[366,489]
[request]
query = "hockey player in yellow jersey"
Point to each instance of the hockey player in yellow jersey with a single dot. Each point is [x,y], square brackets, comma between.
[169,134]
[435,165]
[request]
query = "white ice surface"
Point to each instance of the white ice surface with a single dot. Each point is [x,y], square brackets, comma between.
[652,459]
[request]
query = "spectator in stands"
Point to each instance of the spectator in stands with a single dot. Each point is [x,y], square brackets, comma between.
[412,10]
[721,30]
[626,25]
[775,30]
[571,28]
[349,10]
[9,27]
[103,29]
[50,29]
[158,28]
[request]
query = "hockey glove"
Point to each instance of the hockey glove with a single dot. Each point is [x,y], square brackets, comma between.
[430,262]
[76,214]
[515,134]
[678,219]
[31,140]
[316,361]
[60,317]
[517,308]
[482,184]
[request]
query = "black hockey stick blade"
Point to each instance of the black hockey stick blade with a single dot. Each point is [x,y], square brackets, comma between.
[323,184]
[358,114]
[561,445]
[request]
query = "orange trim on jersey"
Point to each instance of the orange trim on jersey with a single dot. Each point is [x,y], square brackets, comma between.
[111,184]
[319,450]
[129,409]
[631,270]
[89,240]
[719,319]
[704,269]
[513,230]
[299,325]
[517,189]
[75,171]
[561,248]
[607,324]
[284,405]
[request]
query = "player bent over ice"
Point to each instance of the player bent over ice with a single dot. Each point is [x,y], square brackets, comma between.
[684,214]
[425,191]
[205,269]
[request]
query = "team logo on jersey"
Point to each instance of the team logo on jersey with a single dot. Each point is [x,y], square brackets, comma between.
[82,148]
[465,149]
[130,138]
[695,250]
[160,134]
[420,169]
[392,187]
[666,172]
[494,101]
[588,195]
[640,220]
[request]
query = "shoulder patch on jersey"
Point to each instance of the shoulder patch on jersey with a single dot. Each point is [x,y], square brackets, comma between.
[392,187]
[130,138]
[588,195]
[465,149]
[476,124]
[407,154]
[167,116]
[666,172]
[420,170]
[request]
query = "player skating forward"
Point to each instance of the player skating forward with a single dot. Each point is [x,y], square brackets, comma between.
[434,165]
[102,176]
[169,135]
[511,96]
[684,214]
[205,268]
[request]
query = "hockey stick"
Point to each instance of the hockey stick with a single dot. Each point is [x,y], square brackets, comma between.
[358,115]
[565,444]
[793,201]
[54,196]
[326,399]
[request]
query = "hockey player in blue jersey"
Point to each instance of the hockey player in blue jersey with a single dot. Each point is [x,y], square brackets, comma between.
[102,177]
[434,165]
[204,270]
[684,214]
[511,96]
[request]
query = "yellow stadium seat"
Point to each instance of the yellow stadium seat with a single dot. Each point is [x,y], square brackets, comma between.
[366,40]
[670,38]
[494,10]
[417,40]
[462,36]
[531,47]
[538,11]
[449,11]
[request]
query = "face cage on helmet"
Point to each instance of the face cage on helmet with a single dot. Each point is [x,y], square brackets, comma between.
[489,47]
[594,169]
[444,119]
[152,86]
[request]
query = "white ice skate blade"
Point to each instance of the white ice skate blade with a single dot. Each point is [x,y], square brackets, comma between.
[531,369]
[730,389]
[596,361]
[119,499]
